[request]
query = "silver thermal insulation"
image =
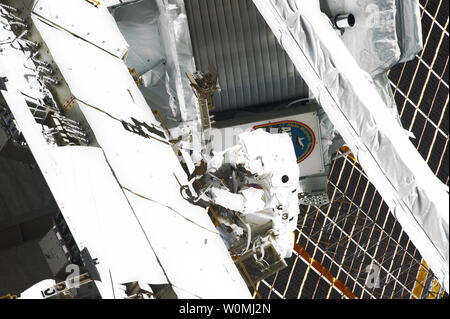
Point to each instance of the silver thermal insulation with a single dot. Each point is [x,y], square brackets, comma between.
[385,33]
[139,23]
[161,52]
[409,29]
[253,68]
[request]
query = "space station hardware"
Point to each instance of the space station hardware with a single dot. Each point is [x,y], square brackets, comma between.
[46,85]
[253,188]
[136,76]
[382,34]
[68,263]
[139,290]
[94,136]
[311,138]
[76,286]
[343,21]
[56,252]
[339,71]
[250,173]
[204,86]
[95,3]
[8,128]
[12,142]
[3,138]
[64,131]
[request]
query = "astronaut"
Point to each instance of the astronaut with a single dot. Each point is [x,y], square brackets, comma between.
[259,179]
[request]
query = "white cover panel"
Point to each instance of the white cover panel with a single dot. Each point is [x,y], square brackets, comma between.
[187,244]
[93,24]
[87,193]
[146,169]
[93,205]
[101,219]
[192,256]
[95,77]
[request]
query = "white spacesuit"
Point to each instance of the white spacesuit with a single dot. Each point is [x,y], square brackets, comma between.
[267,190]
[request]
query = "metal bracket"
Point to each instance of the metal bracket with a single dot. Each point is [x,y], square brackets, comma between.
[95,3]
[138,78]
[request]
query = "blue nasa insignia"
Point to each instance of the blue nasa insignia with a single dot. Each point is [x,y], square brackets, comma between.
[302,136]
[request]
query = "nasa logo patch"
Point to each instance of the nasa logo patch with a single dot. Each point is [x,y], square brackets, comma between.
[302,136]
